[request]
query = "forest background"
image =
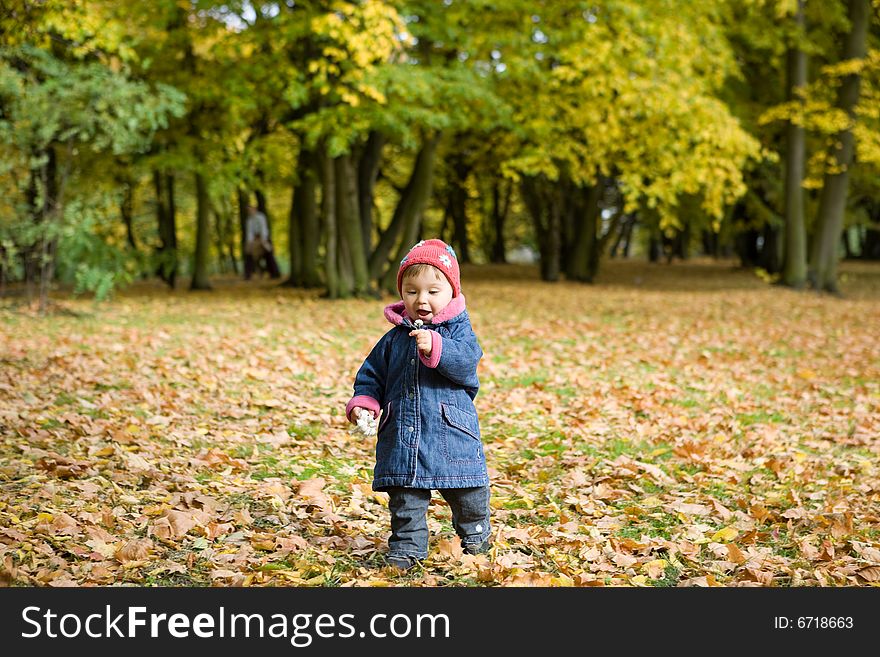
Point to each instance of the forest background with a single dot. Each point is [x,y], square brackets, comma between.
[134,136]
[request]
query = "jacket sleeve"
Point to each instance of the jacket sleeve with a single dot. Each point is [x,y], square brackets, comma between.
[369,383]
[456,357]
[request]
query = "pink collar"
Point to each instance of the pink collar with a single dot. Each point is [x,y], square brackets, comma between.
[396,314]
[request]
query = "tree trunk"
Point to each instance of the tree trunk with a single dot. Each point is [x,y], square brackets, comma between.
[218,236]
[794,272]
[166,217]
[295,232]
[570,207]
[624,234]
[243,202]
[303,227]
[580,266]
[222,238]
[655,237]
[422,192]
[447,215]
[627,240]
[229,236]
[126,211]
[499,216]
[41,200]
[200,259]
[351,259]
[328,217]
[551,266]
[683,241]
[458,209]
[311,225]
[30,258]
[546,213]
[600,244]
[344,267]
[532,200]
[368,170]
[49,215]
[350,222]
[832,201]
[407,213]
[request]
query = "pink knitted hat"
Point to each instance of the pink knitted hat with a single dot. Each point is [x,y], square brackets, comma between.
[437,253]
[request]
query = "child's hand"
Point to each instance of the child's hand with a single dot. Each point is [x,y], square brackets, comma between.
[423,341]
[364,421]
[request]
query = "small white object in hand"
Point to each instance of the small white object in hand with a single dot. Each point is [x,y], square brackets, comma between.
[419,323]
[366,423]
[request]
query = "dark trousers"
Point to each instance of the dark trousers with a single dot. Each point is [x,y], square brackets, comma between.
[409,522]
[266,263]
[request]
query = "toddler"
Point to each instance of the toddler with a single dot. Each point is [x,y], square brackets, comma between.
[422,377]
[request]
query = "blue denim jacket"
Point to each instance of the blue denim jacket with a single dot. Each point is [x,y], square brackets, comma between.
[429,432]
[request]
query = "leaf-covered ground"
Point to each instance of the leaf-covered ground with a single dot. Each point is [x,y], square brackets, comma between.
[671,425]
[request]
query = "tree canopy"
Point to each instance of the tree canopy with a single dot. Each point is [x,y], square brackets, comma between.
[144,128]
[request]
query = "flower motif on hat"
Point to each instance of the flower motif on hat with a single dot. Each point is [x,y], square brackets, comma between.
[418,245]
[449,248]
[405,258]
[445,260]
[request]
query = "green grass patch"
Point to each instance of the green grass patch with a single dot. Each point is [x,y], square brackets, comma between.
[65,399]
[339,471]
[308,430]
[671,575]
[284,564]
[615,447]
[523,380]
[566,392]
[761,417]
[720,492]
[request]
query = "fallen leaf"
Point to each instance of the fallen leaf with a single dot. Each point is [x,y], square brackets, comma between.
[135,550]
[654,569]
[450,547]
[869,574]
[311,490]
[725,535]
[735,554]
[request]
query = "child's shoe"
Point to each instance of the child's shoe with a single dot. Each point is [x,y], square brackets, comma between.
[401,562]
[477,548]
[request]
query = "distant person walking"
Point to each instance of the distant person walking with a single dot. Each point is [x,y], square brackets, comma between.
[258,252]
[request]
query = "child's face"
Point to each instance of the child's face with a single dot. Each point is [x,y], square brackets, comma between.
[426,294]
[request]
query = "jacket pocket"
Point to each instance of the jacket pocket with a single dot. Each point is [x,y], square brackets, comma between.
[462,420]
[461,435]
[386,441]
[386,413]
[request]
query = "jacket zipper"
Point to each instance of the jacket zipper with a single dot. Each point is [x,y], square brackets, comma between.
[417,421]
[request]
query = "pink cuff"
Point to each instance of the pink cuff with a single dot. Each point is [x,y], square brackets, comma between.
[436,348]
[364,401]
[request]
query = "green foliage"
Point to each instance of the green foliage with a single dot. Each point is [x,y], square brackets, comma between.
[816,109]
[56,117]
[48,100]
[678,104]
[623,89]
[93,255]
